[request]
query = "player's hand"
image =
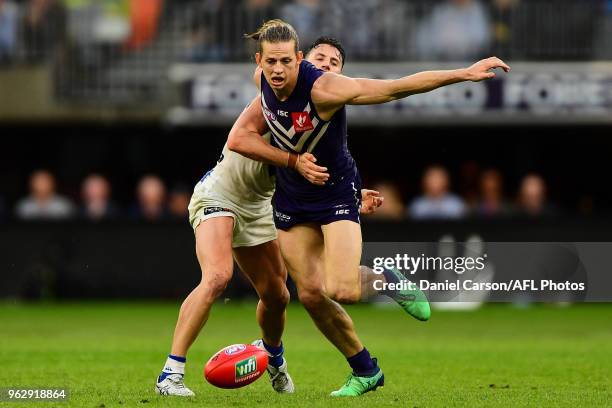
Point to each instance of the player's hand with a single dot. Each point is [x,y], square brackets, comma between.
[306,166]
[370,201]
[481,70]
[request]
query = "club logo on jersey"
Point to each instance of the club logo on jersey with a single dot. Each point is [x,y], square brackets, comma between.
[269,114]
[234,349]
[301,121]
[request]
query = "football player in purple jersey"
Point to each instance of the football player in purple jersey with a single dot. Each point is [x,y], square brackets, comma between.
[316,208]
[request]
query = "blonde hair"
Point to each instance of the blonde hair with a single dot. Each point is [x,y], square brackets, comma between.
[275,31]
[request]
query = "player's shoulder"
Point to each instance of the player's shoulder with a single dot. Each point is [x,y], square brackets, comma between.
[328,81]
[305,64]
[309,72]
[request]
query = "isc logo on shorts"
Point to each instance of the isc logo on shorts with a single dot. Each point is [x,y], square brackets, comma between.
[281,216]
[342,212]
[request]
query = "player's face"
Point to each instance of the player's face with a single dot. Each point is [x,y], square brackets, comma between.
[280,63]
[326,57]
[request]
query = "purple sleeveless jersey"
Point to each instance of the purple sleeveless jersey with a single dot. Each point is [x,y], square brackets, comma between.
[296,127]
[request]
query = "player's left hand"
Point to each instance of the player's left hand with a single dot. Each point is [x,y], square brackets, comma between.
[306,166]
[481,70]
[370,201]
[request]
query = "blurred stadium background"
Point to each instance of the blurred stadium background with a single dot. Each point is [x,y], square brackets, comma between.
[111,110]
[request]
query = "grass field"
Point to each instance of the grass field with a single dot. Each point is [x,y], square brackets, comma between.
[108,355]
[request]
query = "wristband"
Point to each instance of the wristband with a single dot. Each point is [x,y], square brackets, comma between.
[292,160]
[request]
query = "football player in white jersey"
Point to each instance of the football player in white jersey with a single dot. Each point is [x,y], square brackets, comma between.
[231,214]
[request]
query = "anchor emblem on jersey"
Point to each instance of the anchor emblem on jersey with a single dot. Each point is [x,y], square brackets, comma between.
[301,131]
[301,121]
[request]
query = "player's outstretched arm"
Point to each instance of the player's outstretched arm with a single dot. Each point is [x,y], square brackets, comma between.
[245,139]
[331,91]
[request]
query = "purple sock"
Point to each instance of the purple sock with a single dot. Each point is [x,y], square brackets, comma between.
[362,364]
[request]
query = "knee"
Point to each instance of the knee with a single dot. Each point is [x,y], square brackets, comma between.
[311,298]
[215,282]
[275,296]
[345,295]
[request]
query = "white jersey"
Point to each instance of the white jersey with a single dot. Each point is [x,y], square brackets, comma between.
[242,180]
[240,188]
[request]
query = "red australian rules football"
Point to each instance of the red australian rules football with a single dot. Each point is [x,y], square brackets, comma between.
[236,366]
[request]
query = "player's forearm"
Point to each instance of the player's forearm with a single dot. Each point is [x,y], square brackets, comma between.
[255,147]
[426,81]
[380,91]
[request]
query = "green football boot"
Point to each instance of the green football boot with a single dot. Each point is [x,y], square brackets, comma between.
[356,386]
[413,301]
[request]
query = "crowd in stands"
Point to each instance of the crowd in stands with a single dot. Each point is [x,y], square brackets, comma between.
[431,30]
[370,29]
[153,201]
[489,200]
[32,30]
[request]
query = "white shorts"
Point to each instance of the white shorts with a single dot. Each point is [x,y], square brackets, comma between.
[253,223]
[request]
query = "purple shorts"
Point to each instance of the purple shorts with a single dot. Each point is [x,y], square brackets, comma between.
[344,206]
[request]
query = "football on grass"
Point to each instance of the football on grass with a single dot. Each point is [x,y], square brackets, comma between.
[236,366]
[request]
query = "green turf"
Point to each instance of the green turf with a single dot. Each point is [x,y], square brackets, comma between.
[109,354]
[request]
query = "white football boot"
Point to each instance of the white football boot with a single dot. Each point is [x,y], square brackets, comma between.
[279,377]
[173,385]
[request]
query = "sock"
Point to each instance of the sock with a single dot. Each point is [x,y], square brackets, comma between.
[275,357]
[390,278]
[362,364]
[174,365]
